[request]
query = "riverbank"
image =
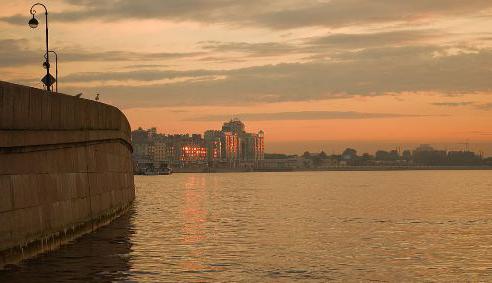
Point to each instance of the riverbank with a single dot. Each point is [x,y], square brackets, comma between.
[339,168]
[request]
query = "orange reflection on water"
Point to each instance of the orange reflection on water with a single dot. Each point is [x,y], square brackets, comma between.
[194,219]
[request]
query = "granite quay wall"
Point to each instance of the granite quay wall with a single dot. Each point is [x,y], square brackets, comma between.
[65,169]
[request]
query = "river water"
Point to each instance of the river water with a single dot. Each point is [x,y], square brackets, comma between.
[307,226]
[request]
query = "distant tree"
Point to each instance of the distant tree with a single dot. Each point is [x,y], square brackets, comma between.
[306,155]
[349,154]
[430,157]
[276,156]
[366,157]
[323,155]
[382,155]
[394,155]
[336,157]
[317,161]
[407,155]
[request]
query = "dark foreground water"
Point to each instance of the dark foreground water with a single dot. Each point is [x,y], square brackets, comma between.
[263,227]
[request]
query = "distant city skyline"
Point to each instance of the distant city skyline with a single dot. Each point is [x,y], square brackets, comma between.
[230,147]
[318,74]
[338,146]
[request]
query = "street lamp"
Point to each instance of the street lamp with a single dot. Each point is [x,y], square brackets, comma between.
[33,23]
[56,67]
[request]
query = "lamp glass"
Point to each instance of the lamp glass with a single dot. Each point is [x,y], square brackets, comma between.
[33,23]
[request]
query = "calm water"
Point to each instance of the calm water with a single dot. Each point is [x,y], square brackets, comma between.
[319,226]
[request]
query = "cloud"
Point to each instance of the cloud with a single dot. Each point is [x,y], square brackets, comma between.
[485,107]
[302,115]
[339,13]
[138,75]
[118,10]
[453,104]
[252,49]
[481,133]
[321,44]
[276,14]
[378,39]
[375,72]
[17,52]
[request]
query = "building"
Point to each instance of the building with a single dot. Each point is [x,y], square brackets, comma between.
[240,146]
[159,152]
[231,146]
[213,144]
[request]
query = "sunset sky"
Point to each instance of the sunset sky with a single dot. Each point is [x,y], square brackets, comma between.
[313,74]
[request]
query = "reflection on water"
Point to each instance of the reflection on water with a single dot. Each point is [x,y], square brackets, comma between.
[193,223]
[99,257]
[308,226]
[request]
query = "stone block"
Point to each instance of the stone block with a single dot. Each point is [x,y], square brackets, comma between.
[22,163]
[81,210]
[55,220]
[79,107]
[48,190]
[47,218]
[21,106]
[25,192]
[92,115]
[67,213]
[51,166]
[106,203]
[5,165]
[82,185]
[7,112]
[93,183]
[66,112]
[68,157]
[100,116]
[91,158]
[6,195]
[56,113]
[64,187]
[35,110]
[96,205]
[26,223]
[46,115]
[1,105]
[102,164]
[42,162]
[81,159]
[6,219]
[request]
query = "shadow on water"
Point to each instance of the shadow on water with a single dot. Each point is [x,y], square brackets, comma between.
[102,256]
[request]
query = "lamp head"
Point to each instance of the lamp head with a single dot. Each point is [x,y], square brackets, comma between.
[33,23]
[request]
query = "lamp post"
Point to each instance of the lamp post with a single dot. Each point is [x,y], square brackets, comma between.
[33,23]
[56,66]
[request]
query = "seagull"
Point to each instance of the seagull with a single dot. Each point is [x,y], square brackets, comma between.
[79,95]
[97,97]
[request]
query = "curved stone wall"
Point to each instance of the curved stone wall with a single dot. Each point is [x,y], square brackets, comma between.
[65,169]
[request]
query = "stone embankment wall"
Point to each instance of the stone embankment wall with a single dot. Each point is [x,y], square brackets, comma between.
[65,169]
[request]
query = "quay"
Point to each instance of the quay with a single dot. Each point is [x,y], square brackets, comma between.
[65,169]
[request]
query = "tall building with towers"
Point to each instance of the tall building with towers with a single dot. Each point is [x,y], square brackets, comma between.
[231,146]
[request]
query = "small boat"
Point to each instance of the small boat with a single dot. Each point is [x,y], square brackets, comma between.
[150,172]
[166,171]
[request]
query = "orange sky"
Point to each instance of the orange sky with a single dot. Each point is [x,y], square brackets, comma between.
[312,74]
